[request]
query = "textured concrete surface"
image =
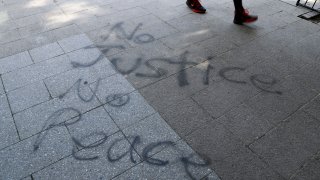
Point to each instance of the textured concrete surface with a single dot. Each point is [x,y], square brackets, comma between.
[147,89]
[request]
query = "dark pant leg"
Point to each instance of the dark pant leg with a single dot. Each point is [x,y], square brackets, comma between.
[238,5]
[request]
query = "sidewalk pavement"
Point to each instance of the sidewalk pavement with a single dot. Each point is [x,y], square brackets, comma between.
[136,89]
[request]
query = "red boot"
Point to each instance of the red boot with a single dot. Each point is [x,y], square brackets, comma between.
[195,6]
[244,17]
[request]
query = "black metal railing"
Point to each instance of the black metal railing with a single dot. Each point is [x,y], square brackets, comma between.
[310,4]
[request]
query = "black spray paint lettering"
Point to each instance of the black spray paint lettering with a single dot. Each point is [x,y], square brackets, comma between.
[223,72]
[150,147]
[138,39]
[118,100]
[78,86]
[111,158]
[52,122]
[187,163]
[114,61]
[257,80]
[206,75]
[157,72]
[96,144]
[105,50]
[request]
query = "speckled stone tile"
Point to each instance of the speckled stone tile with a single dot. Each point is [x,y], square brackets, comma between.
[28,96]
[94,121]
[75,42]
[8,130]
[128,109]
[37,118]
[21,160]
[176,162]
[14,62]
[111,86]
[46,52]
[99,168]
[151,130]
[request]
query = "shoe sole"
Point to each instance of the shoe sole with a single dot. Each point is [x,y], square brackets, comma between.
[241,23]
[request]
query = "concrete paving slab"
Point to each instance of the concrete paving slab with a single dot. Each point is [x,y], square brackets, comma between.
[286,151]
[180,116]
[21,160]
[312,108]
[175,168]
[99,168]
[310,169]
[53,112]
[46,52]
[74,42]
[128,109]
[151,130]
[28,96]
[35,72]
[1,87]
[8,130]
[113,85]
[95,121]
[14,62]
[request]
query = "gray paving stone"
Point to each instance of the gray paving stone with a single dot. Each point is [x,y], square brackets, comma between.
[182,40]
[29,20]
[310,170]
[21,160]
[100,168]
[274,107]
[36,72]
[28,96]
[176,87]
[75,42]
[243,164]
[8,130]
[151,130]
[229,157]
[130,113]
[14,47]
[183,23]
[222,96]
[65,32]
[159,8]
[246,123]
[63,82]
[217,148]
[111,86]
[300,48]
[288,146]
[37,118]
[9,36]
[46,52]
[175,168]
[1,87]
[296,89]
[33,29]
[14,62]
[218,45]
[94,121]
[313,108]
[308,76]
[181,116]
[86,57]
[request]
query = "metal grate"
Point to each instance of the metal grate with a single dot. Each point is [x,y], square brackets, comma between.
[310,4]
